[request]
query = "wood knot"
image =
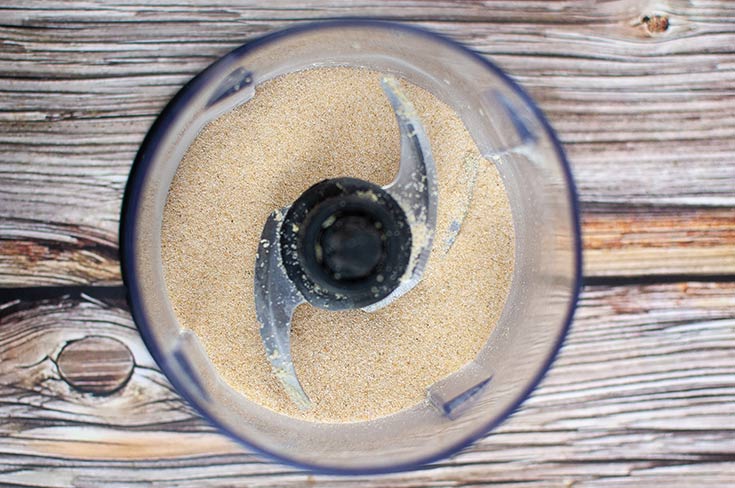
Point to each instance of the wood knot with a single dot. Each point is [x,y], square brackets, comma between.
[655,24]
[95,364]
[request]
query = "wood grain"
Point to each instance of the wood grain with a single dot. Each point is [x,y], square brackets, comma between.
[648,118]
[665,240]
[643,394]
[642,93]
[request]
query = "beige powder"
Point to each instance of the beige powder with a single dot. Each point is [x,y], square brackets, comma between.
[300,129]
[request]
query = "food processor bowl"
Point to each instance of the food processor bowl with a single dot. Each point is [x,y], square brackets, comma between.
[510,132]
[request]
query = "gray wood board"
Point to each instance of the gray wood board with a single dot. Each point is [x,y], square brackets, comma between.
[643,394]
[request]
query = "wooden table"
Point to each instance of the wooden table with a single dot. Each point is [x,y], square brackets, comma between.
[642,94]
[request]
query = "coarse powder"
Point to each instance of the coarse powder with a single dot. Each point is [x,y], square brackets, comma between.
[299,129]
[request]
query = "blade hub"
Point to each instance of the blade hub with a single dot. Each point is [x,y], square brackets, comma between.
[345,243]
[352,247]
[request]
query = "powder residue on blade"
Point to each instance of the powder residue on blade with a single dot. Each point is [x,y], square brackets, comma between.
[299,129]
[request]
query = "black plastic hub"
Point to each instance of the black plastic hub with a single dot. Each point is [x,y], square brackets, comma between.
[352,247]
[345,243]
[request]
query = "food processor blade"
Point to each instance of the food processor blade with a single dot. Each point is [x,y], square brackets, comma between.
[414,190]
[276,298]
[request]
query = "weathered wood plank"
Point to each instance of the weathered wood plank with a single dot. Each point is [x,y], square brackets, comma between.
[643,394]
[648,118]
[674,240]
[34,252]
[622,242]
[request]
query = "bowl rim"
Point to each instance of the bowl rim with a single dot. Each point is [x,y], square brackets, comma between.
[137,177]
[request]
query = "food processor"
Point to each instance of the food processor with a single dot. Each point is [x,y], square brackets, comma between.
[347,243]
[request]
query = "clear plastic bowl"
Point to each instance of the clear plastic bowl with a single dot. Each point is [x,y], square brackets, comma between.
[507,127]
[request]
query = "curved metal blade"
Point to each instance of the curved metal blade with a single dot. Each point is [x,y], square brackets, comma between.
[276,298]
[414,188]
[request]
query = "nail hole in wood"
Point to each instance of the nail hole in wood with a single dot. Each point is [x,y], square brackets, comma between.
[95,364]
[655,24]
